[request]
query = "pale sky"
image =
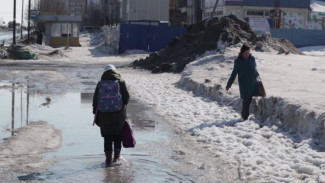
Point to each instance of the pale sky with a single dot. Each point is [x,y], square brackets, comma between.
[7,9]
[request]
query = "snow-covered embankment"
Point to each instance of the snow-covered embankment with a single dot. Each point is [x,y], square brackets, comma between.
[208,76]
[282,142]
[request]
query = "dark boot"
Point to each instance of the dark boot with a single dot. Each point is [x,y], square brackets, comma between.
[116,155]
[245,108]
[108,159]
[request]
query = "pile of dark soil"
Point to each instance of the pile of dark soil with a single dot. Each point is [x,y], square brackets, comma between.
[204,36]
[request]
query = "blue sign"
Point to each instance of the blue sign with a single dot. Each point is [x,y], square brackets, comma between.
[34,14]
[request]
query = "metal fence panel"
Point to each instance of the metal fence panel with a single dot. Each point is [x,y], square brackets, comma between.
[147,37]
[301,38]
[271,3]
[133,37]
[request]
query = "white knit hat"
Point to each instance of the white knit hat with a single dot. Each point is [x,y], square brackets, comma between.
[110,66]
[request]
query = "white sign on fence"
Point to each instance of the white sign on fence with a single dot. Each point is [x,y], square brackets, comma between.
[259,25]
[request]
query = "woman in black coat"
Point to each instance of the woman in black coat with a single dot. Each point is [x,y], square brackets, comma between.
[245,67]
[111,123]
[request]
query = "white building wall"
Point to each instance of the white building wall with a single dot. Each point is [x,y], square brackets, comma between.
[316,21]
[1,22]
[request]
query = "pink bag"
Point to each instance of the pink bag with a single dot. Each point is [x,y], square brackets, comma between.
[128,139]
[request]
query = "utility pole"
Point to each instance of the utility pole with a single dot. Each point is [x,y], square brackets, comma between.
[28,28]
[212,13]
[214,9]
[13,108]
[22,20]
[14,25]
[27,107]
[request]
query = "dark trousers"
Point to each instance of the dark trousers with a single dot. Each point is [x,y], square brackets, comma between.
[108,142]
[245,109]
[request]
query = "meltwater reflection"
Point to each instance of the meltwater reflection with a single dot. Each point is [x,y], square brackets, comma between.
[14,108]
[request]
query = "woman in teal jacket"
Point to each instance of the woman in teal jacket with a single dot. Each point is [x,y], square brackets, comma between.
[245,67]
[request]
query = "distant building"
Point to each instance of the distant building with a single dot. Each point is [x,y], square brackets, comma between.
[272,10]
[280,14]
[148,10]
[11,25]
[61,30]
[65,8]
[78,8]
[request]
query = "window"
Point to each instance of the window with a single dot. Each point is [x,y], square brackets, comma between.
[56,30]
[256,13]
[66,30]
[267,13]
[219,13]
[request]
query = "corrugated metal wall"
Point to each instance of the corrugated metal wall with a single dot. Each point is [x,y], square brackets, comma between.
[301,38]
[271,3]
[148,36]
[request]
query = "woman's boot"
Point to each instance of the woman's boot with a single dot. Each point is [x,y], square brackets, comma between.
[116,155]
[108,159]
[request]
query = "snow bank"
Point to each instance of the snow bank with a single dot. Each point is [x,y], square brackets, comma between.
[44,52]
[21,153]
[209,74]
[94,38]
[318,6]
[112,35]
[251,151]
[106,40]
[318,51]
